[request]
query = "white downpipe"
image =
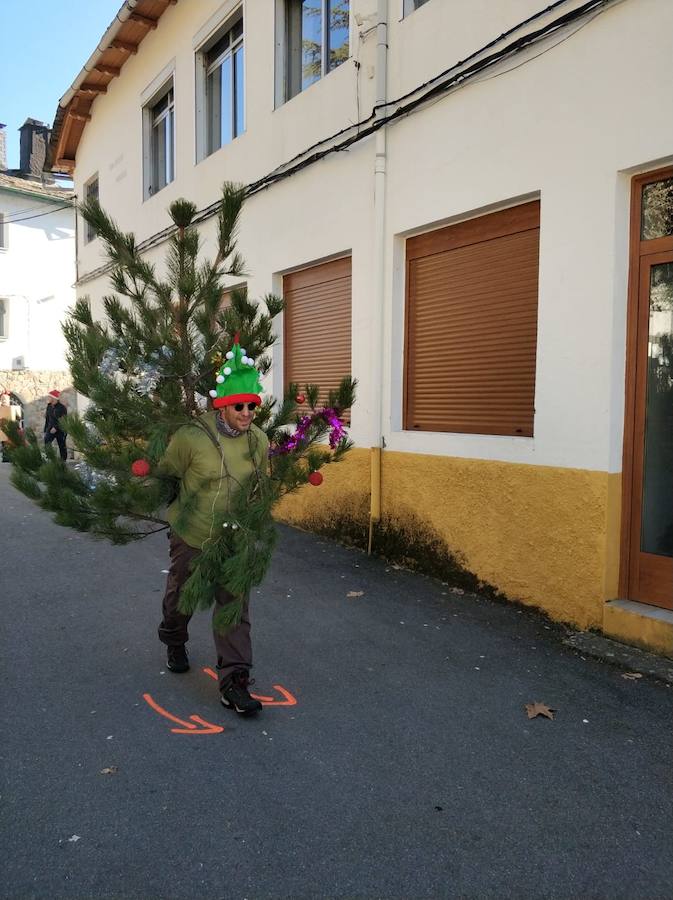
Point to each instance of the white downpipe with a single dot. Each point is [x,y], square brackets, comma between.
[378,322]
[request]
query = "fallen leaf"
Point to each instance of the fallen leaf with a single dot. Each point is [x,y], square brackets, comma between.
[355,593]
[632,676]
[539,709]
[109,770]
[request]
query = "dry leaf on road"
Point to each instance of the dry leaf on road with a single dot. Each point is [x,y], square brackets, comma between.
[109,770]
[539,709]
[632,676]
[355,593]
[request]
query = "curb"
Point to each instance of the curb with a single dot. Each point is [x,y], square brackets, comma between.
[622,655]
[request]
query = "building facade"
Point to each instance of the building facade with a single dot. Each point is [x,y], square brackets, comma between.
[468,207]
[37,279]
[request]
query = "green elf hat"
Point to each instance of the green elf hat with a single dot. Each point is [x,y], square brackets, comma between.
[237,380]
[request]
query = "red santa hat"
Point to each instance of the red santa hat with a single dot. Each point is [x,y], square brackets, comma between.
[55,394]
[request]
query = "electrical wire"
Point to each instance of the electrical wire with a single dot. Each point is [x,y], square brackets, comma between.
[373,115]
[8,221]
[433,88]
[21,212]
[475,81]
[492,43]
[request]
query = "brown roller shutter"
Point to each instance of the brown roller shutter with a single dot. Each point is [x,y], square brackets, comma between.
[471,331]
[317,329]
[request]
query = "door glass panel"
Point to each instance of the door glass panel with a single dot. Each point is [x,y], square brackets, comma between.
[657,214]
[657,511]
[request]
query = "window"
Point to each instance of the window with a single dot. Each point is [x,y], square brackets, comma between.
[411,5]
[317,325]
[159,127]
[4,228]
[4,318]
[471,334]
[316,41]
[223,88]
[90,193]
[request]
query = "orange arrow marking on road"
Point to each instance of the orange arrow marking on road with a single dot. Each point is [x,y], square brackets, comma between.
[266,701]
[188,727]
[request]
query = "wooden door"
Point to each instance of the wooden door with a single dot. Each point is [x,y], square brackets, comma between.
[647,542]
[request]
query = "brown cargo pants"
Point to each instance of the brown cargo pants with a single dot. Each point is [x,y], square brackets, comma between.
[234,649]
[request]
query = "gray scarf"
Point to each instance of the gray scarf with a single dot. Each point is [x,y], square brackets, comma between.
[225,429]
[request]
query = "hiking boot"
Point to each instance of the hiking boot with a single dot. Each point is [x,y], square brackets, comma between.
[235,694]
[177,659]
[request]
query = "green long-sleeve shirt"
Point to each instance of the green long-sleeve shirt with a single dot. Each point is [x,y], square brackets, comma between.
[208,478]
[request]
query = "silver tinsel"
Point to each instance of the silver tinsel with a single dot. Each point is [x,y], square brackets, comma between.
[146,379]
[109,364]
[92,478]
[92,431]
[146,375]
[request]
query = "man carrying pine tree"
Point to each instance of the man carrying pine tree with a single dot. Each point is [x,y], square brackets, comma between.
[213,458]
[144,367]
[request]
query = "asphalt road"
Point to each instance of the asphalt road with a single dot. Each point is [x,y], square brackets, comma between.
[406,768]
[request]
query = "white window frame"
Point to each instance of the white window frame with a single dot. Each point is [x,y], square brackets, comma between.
[88,232]
[4,333]
[202,70]
[4,232]
[283,93]
[408,7]
[163,85]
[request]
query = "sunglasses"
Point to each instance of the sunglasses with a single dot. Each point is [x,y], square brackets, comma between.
[239,407]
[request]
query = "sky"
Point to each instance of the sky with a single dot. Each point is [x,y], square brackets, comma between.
[43,46]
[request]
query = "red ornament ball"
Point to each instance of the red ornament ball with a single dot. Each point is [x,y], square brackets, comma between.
[141,468]
[315,478]
[300,398]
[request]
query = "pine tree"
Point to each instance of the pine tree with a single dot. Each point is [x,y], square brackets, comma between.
[146,369]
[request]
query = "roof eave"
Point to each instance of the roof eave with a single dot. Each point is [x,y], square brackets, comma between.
[57,160]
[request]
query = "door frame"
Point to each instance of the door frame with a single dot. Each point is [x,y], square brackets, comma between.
[639,250]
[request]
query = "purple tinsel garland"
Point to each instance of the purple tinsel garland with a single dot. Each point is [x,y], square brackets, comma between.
[299,436]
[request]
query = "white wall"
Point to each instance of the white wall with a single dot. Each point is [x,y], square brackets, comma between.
[37,275]
[571,125]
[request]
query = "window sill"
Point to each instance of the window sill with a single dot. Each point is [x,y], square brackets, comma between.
[149,197]
[220,149]
[315,83]
[464,434]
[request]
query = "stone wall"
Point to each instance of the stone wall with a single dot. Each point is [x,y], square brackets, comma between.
[32,387]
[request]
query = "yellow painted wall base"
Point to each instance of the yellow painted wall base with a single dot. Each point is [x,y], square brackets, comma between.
[634,623]
[544,536]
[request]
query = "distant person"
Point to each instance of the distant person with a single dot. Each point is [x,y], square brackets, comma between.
[52,429]
[8,413]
